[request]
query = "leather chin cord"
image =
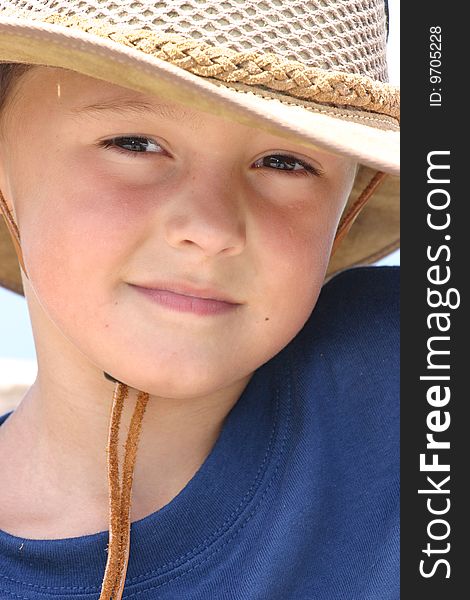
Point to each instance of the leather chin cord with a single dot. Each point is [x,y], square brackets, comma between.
[112,586]
[349,218]
[120,494]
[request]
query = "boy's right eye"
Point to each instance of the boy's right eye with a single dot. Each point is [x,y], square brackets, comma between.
[132,145]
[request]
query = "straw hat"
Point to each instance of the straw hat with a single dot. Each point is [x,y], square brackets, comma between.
[312,72]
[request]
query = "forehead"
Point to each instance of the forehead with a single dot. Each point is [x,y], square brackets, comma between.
[80,95]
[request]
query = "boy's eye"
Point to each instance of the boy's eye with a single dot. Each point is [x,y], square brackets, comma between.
[133,145]
[288,164]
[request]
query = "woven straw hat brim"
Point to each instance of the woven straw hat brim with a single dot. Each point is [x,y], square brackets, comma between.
[369,138]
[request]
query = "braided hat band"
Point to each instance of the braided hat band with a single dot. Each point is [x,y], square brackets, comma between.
[251,68]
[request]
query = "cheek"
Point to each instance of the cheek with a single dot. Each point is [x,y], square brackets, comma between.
[295,242]
[294,246]
[75,240]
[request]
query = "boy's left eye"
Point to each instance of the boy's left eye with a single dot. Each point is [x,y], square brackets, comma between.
[286,163]
[133,145]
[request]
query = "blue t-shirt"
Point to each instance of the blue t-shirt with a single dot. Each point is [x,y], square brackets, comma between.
[299,497]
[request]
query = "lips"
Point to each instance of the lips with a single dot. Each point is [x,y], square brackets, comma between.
[182,297]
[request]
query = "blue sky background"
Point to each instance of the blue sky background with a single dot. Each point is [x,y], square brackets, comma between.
[16,339]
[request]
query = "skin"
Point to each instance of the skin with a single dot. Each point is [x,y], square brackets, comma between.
[193,208]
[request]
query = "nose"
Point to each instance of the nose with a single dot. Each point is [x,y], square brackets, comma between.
[206,216]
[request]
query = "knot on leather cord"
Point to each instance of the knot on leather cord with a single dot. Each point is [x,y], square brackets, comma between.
[120,493]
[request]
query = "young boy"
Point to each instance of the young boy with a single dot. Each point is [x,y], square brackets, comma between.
[182,253]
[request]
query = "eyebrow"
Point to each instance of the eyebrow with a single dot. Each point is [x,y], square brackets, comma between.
[125,106]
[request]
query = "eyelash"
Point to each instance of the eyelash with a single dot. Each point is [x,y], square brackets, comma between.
[308,170]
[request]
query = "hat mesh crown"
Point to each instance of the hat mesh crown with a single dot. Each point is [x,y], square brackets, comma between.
[346,35]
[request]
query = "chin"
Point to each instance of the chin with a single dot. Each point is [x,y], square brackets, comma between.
[191,384]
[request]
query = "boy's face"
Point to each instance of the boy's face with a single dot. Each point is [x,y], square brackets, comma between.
[204,203]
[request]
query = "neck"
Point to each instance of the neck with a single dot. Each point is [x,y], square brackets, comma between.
[62,457]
